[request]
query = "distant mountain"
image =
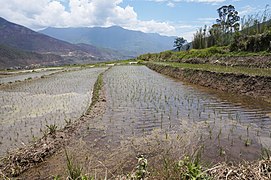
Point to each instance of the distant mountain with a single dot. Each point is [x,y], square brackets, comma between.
[11,58]
[23,39]
[20,37]
[126,41]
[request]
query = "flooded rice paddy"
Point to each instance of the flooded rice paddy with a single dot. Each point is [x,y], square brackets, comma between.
[26,108]
[16,77]
[139,103]
[228,126]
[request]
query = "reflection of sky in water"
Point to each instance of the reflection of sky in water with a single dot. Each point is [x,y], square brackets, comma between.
[141,100]
[27,108]
[22,77]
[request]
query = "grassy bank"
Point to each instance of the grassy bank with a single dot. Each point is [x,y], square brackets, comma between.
[187,168]
[215,52]
[219,68]
[96,91]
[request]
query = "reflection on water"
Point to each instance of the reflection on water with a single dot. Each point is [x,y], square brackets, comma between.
[141,100]
[27,108]
[22,77]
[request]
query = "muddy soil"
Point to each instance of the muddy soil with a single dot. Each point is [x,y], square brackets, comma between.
[107,147]
[39,153]
[29,106]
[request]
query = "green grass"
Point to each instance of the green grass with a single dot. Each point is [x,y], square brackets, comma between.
[200,53]
[52,128]
[219,68]
[96,90]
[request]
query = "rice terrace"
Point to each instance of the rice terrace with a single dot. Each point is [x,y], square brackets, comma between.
[73,108]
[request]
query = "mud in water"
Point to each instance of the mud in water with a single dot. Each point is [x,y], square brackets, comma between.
[242,84]
[27,107]
[232,126]
[11,78]
[148,113]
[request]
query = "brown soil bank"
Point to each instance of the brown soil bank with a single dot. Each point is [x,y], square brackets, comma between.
[255,86]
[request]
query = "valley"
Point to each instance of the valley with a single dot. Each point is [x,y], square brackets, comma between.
[135,90]
[138,112]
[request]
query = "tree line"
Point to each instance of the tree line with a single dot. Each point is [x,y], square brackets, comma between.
[251,33]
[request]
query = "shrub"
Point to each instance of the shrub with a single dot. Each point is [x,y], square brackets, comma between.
[252,43]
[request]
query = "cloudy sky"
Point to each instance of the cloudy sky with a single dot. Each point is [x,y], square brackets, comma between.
[167,17]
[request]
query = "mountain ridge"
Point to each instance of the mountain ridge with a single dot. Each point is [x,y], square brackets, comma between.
[126,41]
[20,37]
[24,42]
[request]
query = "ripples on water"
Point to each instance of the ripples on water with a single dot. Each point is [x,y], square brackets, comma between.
[27,108]
[141,100]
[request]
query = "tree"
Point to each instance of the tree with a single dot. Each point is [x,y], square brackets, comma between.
[215,36]
[228,19]
[179,42]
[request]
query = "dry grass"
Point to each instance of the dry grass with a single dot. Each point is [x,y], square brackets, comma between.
[259,170]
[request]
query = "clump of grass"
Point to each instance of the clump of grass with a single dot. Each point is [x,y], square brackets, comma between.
[188,167]
[68,122]
[96,90]
[191,169]
[52,129]
[141,169]
[247,142]
[75,172]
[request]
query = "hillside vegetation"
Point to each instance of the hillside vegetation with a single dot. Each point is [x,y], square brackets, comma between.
[214,51]
[219,68]
[226,40]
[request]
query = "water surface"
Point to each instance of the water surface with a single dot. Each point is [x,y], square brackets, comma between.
[141,100]
[27,108]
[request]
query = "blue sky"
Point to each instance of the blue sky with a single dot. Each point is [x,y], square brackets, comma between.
[167,17]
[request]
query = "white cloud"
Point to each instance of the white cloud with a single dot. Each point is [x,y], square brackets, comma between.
[207,19]
[171,2]
[247,10]
[206,1]
[78,13]
[152,26]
